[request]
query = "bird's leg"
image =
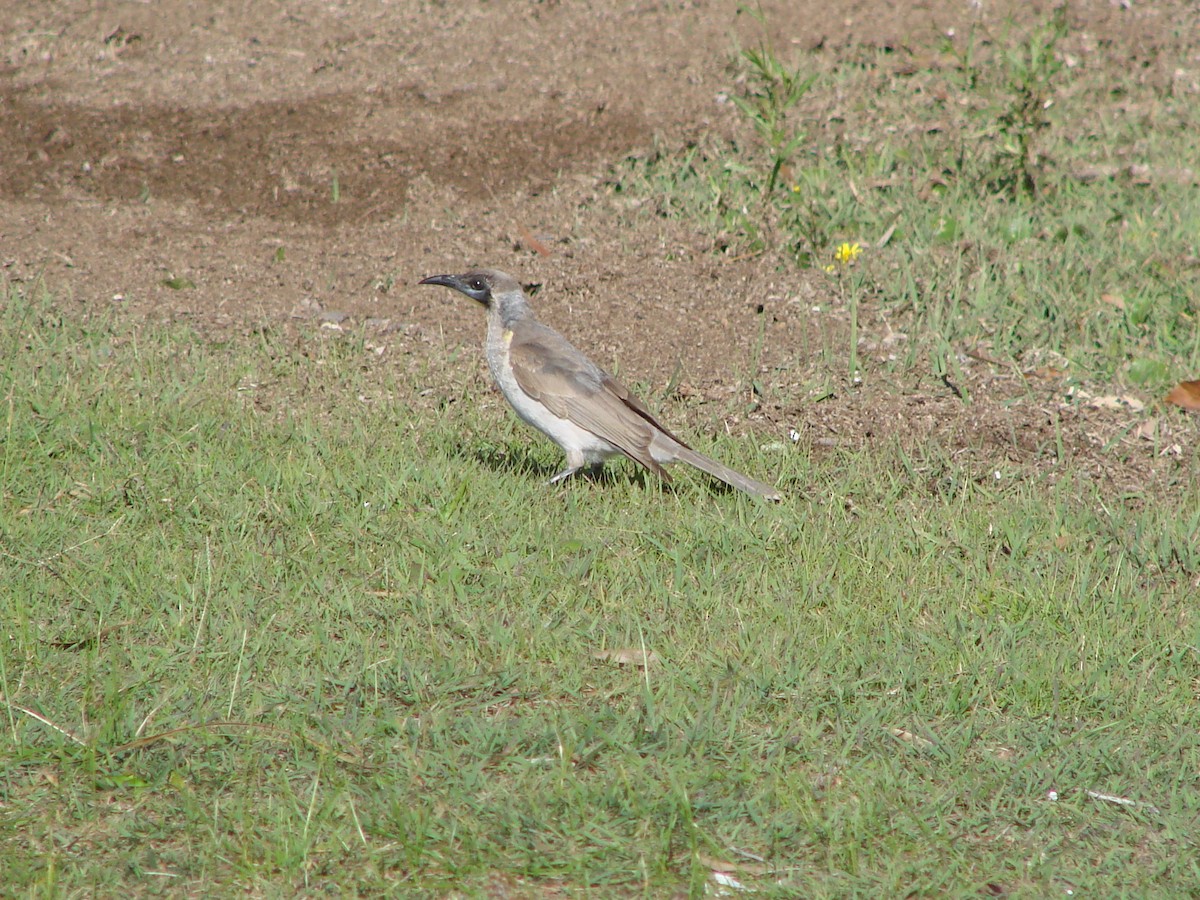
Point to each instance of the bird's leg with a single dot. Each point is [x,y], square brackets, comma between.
[563,475]
[575,462]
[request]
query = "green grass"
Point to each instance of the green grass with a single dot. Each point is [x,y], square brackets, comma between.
[262,635]
[979,206]
[274,624]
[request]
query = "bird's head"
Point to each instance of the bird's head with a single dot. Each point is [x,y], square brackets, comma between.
[485,286]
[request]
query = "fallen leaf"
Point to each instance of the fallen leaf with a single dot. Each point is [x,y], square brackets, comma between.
[727,881]
[824,781]
[1095,173]
[1048,372]
[1147,430]
[1143,175]
[724,865]
[1113,300]
[643,659]
[931,187]
[1186,394]
[1121,801]
[909,738]
[1112,401]
[1140,174]
[89,641]
[531,242]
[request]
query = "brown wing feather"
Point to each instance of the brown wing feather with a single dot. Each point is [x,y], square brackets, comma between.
[632,401]
[572,387]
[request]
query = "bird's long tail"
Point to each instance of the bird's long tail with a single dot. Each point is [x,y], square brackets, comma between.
[729,476]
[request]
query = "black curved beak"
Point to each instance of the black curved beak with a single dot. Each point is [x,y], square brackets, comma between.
[450,281]
[459,283]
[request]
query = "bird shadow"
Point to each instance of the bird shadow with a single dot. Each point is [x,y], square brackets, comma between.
[514,461]
[502,458]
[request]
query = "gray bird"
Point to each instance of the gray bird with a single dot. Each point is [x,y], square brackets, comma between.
[567,397]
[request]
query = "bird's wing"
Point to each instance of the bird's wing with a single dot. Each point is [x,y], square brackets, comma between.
[632,401]
[572,387]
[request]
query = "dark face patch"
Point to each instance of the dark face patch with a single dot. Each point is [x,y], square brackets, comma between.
[473,284]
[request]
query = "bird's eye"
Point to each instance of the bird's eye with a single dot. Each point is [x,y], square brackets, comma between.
[477,284]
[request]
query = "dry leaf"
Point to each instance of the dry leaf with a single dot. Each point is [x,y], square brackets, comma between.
[531,242]
[89,641]
[1143,175]
[724,865]
[824,781]
[1186,394]
[1095,173]
[1140,174]
[1121,801]
[930,188]
[629,657]
[1048,372]
[1147,430]
[1113,300]
[727,881]
[909,738]
[1112,401]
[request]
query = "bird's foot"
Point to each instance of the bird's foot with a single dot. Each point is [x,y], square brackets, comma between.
[563,475]
[592,470]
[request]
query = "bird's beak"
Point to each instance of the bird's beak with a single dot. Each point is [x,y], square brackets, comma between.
[450,281]
[459,283]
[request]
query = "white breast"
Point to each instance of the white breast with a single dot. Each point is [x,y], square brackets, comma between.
[581,446]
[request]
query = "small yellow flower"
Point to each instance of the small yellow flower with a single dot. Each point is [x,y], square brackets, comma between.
[831,268]
[795,188]
[846,253]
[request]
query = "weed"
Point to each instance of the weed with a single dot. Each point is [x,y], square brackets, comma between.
[1020,97]
[775,90]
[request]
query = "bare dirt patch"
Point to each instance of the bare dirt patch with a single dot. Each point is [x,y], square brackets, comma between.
[237,165]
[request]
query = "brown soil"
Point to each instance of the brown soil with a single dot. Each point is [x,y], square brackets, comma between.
[151,143]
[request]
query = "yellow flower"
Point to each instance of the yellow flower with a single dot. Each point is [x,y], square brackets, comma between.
[846,253]
[831,268]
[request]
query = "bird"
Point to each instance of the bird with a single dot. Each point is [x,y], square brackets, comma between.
[556,389]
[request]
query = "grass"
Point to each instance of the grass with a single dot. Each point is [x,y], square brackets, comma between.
[263,636]
[1006,200]
[274,624]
